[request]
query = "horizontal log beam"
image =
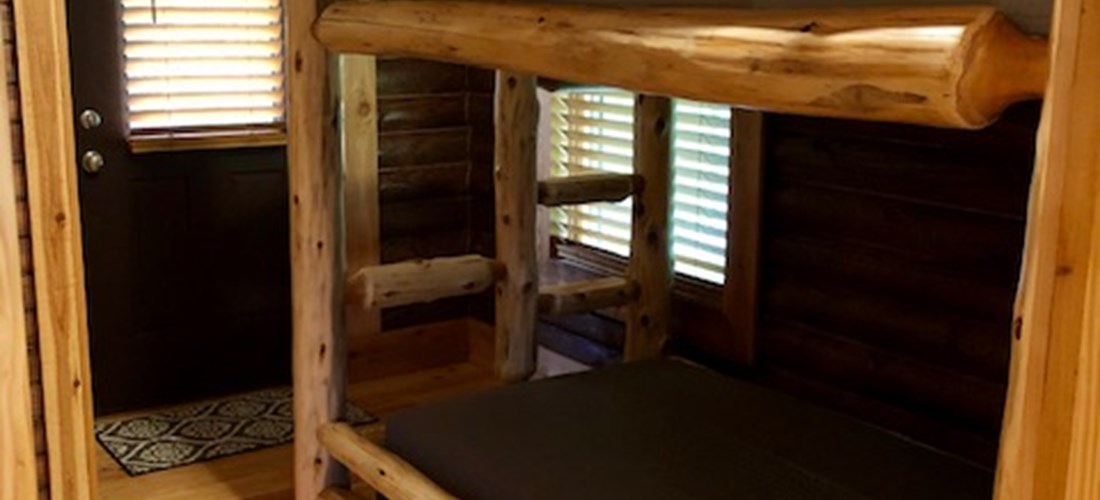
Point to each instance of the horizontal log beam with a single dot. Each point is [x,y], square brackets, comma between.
[581,189]
[385,472]
[585,296]
[944,66]
[421,281]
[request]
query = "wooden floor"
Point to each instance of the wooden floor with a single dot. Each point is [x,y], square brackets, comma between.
[266,474]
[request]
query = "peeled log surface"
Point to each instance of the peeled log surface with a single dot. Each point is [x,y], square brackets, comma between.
[591,188]
[420,281]
[943,66]
[586,296]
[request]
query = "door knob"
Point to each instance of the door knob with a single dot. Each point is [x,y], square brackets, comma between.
[90,119]
[92,162]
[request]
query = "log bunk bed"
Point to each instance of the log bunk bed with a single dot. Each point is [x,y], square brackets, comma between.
[943,66]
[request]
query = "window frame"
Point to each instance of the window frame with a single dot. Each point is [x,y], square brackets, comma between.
[207,137]
[606,262]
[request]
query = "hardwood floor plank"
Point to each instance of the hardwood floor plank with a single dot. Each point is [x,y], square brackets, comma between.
[267,474]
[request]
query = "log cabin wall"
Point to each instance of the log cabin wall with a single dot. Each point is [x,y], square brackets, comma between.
[27,271]
[890,258]
[425,155]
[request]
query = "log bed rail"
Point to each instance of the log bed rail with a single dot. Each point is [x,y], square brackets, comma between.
[942,66]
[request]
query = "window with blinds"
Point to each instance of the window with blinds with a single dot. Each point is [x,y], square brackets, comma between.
[203,66]
[592,130]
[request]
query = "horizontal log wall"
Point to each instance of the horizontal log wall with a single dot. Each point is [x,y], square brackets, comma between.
[424,161]
[890,259]
[6,24]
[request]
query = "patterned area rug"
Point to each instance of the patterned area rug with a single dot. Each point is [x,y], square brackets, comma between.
[197,432]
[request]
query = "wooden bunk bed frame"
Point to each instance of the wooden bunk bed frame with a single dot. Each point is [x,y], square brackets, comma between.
[1051,439]
[949,67]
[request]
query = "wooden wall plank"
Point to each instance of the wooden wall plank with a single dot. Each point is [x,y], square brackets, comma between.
[746,191]
[650,265]
[871,242]
[1051,440]
[17,430]
[49,149]
[418,112]
[405,76]
[423,147]
[317,247]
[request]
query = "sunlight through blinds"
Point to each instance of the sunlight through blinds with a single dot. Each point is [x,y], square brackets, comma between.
[203,65]
[592,131]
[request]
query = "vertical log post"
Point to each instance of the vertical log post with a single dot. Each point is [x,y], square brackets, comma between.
[316,249]
[650,260]
[516,183]
[359,138]
[1050,444]
[743,244]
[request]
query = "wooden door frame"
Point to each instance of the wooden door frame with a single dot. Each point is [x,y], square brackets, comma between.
[1050,445]
[18,460]
[45,88]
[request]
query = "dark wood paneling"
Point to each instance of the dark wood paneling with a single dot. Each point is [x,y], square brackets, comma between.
[421,112]
[403,76]
[428,215]
[423,245]
[902,380]
[891,256]
[423,147]
[963,243]
[446,180]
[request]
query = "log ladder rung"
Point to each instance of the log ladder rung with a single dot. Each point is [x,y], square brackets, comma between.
[585,296]
[420,281]
[588,188]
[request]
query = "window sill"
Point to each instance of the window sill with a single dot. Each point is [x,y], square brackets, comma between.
[199,141]
[607,264]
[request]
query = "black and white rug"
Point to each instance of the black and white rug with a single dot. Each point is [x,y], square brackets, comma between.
[182,435]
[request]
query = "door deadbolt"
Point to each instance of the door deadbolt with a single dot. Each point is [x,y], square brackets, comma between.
[90,119]
[92,162]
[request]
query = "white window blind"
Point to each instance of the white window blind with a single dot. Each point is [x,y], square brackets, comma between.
[203,65]
[592,130]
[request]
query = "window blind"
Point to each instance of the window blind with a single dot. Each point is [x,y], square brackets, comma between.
[203,65]
[592,131]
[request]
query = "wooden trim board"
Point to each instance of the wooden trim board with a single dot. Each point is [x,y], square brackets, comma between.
[746,192]
[362,205]
[17,451]
[1050,445]
[50,149]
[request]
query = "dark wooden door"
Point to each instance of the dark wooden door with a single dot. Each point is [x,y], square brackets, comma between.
[186,252]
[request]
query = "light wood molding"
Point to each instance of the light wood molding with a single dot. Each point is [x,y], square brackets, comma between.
[240,139]
[650,264]
[516,185]
[382,470]
[316,248]
[17,452]
[746,191]
[362,205]
[421,281]
[585,296]
[1050,445]
[52,177]
[946,66]
[581,189]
